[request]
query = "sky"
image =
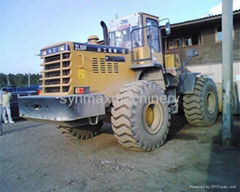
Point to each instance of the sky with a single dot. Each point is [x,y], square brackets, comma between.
[29,25]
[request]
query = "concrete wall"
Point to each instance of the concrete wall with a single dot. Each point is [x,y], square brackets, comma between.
[215,71]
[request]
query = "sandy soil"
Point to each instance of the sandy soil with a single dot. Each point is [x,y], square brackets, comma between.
[38,157]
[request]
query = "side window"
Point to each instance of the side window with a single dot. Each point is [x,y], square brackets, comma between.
[219,34]
[153,34]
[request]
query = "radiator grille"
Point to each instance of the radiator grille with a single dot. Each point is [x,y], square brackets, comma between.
[65,88]
[65,55]
[66,80]
[66,63]
[52,82]
[66,72]
[56,73]
[51,89]
[52,74]
[52,66]
[101,66]
[52,58]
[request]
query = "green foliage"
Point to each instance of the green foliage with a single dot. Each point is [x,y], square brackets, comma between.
[19,80]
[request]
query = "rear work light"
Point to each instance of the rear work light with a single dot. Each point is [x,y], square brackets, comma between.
[82,90]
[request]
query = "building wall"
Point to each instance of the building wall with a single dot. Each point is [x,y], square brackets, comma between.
[215,71]
[209,58]
[209,51]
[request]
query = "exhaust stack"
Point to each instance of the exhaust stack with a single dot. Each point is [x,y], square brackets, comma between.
[105,33]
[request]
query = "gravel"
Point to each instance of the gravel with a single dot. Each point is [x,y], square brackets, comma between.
[38,157]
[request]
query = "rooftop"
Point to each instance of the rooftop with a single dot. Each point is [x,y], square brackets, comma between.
[203,19]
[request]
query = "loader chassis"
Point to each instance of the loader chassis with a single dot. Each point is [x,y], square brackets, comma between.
[83,83]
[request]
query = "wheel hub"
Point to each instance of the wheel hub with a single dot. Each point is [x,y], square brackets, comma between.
[153,117]
[149,115]
[210,102]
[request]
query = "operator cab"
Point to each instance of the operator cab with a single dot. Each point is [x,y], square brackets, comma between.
[120,31]
[141,33]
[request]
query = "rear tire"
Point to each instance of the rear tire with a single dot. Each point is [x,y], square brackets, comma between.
[201,108]
[84,132]
[138,123]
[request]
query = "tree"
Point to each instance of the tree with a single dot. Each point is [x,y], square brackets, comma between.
[19,80]
[3,79]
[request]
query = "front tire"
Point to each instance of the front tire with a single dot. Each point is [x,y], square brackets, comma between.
[84,132]
[140,116]
[201,108]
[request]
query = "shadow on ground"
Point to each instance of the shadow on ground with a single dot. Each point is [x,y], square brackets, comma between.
[224,165]
[176,124]
[9,128]
[107,129]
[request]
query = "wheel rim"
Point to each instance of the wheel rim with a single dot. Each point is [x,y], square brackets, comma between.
[153,117]
[210,102]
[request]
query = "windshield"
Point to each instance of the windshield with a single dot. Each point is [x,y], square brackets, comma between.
[120,31]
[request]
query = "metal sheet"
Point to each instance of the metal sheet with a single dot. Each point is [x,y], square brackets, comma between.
[187,83]
[65,108]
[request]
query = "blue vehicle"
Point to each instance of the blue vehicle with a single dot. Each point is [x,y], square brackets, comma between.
[20,91]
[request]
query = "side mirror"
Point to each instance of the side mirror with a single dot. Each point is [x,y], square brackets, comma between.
[167,28]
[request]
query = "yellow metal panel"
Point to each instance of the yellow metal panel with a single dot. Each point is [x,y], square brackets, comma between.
[108,79]
[81,74]
[169,60]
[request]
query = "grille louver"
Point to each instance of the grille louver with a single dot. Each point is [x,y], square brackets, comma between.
[56,73]
[95,65]
[101,66]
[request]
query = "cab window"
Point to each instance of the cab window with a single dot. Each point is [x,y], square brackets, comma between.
[153,34]
[125,31]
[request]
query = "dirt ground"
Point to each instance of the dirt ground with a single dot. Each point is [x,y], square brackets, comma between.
[38,157]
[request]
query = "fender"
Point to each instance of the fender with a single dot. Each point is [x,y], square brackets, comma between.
[187,83]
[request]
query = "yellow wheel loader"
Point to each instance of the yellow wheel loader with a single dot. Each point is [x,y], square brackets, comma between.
[125,77]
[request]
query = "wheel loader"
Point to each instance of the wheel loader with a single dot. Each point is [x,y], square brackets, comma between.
[125,78]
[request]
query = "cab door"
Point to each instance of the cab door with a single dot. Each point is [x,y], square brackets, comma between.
[151,51]
[153,40]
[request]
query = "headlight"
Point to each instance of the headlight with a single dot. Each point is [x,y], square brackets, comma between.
[62,48]
[44,52]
